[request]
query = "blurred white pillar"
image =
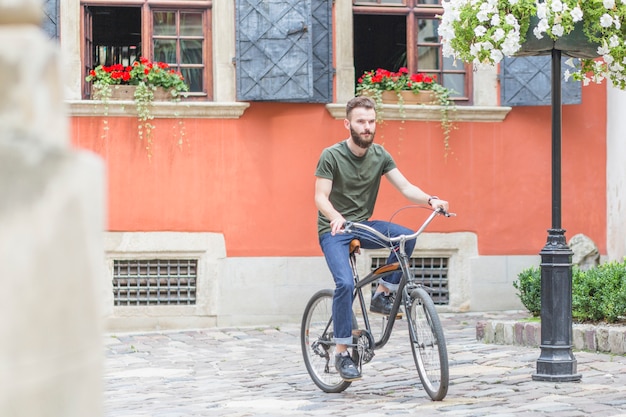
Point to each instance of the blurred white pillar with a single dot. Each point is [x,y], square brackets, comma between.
[616,174]
[51,226]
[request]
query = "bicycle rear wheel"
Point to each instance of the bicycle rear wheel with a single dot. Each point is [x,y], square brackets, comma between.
[428,345]
[316,338]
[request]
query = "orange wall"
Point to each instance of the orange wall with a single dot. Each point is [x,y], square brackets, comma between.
[252,178]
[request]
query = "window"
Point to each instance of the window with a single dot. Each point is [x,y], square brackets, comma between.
[154,282]
[178,34]
[284,50]
[403,33]
[430,272]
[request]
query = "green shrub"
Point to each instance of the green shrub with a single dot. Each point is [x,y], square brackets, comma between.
[598,294]
[528,286]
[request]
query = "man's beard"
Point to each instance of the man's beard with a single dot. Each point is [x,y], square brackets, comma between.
[360,142]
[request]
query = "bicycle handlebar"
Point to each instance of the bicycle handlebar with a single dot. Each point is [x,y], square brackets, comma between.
[439,211]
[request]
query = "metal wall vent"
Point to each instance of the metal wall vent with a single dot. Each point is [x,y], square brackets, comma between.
[154,282]
[432,273]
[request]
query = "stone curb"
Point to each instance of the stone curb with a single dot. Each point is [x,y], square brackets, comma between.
[602,338]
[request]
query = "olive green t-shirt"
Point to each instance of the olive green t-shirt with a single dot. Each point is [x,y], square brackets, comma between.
[356,180]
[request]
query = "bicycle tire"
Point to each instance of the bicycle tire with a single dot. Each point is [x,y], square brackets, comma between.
[317,326]
[428,345]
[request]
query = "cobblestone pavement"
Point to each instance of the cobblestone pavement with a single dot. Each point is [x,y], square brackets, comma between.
[236,372]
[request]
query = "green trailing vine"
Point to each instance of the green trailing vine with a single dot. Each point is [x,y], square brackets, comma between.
[146,77]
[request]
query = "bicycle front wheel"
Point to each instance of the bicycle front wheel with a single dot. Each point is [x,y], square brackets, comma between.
[428,344]
[318,348]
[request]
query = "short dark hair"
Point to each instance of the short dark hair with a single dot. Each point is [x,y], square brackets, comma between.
[359,101]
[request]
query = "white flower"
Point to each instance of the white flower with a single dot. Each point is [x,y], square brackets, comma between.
[603,49]
[577,14]
[475,49]
[557,30]
[511,20]
[542,11]
[496,55]
[495,20]
[482,15]
[511,45]
[480,30]
[498,34]
[608,4]
[556,6]
[606,20]
[541,27]
[447,50]
[614,41]
[567,75]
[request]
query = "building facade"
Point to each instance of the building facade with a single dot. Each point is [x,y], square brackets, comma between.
[217,216]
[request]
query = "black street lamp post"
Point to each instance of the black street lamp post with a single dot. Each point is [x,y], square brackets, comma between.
[556,362]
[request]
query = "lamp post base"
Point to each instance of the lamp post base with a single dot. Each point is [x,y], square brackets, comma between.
[556,362]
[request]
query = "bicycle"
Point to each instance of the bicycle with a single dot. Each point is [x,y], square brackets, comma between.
[425,330]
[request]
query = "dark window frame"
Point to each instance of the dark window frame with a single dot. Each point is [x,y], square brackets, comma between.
[414,11]
[147,8]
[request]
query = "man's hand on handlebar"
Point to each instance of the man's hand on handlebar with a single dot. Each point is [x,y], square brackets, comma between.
[336,225]
[437,203]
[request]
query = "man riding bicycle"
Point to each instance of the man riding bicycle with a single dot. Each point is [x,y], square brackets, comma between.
[347,182]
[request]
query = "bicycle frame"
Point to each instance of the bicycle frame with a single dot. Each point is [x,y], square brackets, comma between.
[402,264]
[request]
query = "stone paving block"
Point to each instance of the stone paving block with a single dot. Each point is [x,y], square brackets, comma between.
[532,333]
[617,340]
[602,339]
[493,380]
[579,339]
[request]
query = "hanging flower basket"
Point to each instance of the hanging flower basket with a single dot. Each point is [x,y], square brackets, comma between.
[484,32]
[574,44]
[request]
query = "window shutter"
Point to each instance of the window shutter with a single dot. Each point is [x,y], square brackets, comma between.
[284,50]
[50,23]
[526,81]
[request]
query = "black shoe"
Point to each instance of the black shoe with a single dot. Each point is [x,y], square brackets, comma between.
[381,304]
[346,368]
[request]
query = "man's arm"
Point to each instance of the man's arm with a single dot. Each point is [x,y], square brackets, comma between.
[413,192]
[323,187]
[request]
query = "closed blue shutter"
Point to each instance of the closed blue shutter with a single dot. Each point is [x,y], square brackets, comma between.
[284,50]
[50,23]
[526,81]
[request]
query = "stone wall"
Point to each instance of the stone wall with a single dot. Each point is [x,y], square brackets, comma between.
[594,338]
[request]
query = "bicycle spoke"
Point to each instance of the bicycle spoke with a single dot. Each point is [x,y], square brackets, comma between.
[428,345]
[317,346]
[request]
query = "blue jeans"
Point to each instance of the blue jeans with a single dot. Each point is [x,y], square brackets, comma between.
[336,251]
